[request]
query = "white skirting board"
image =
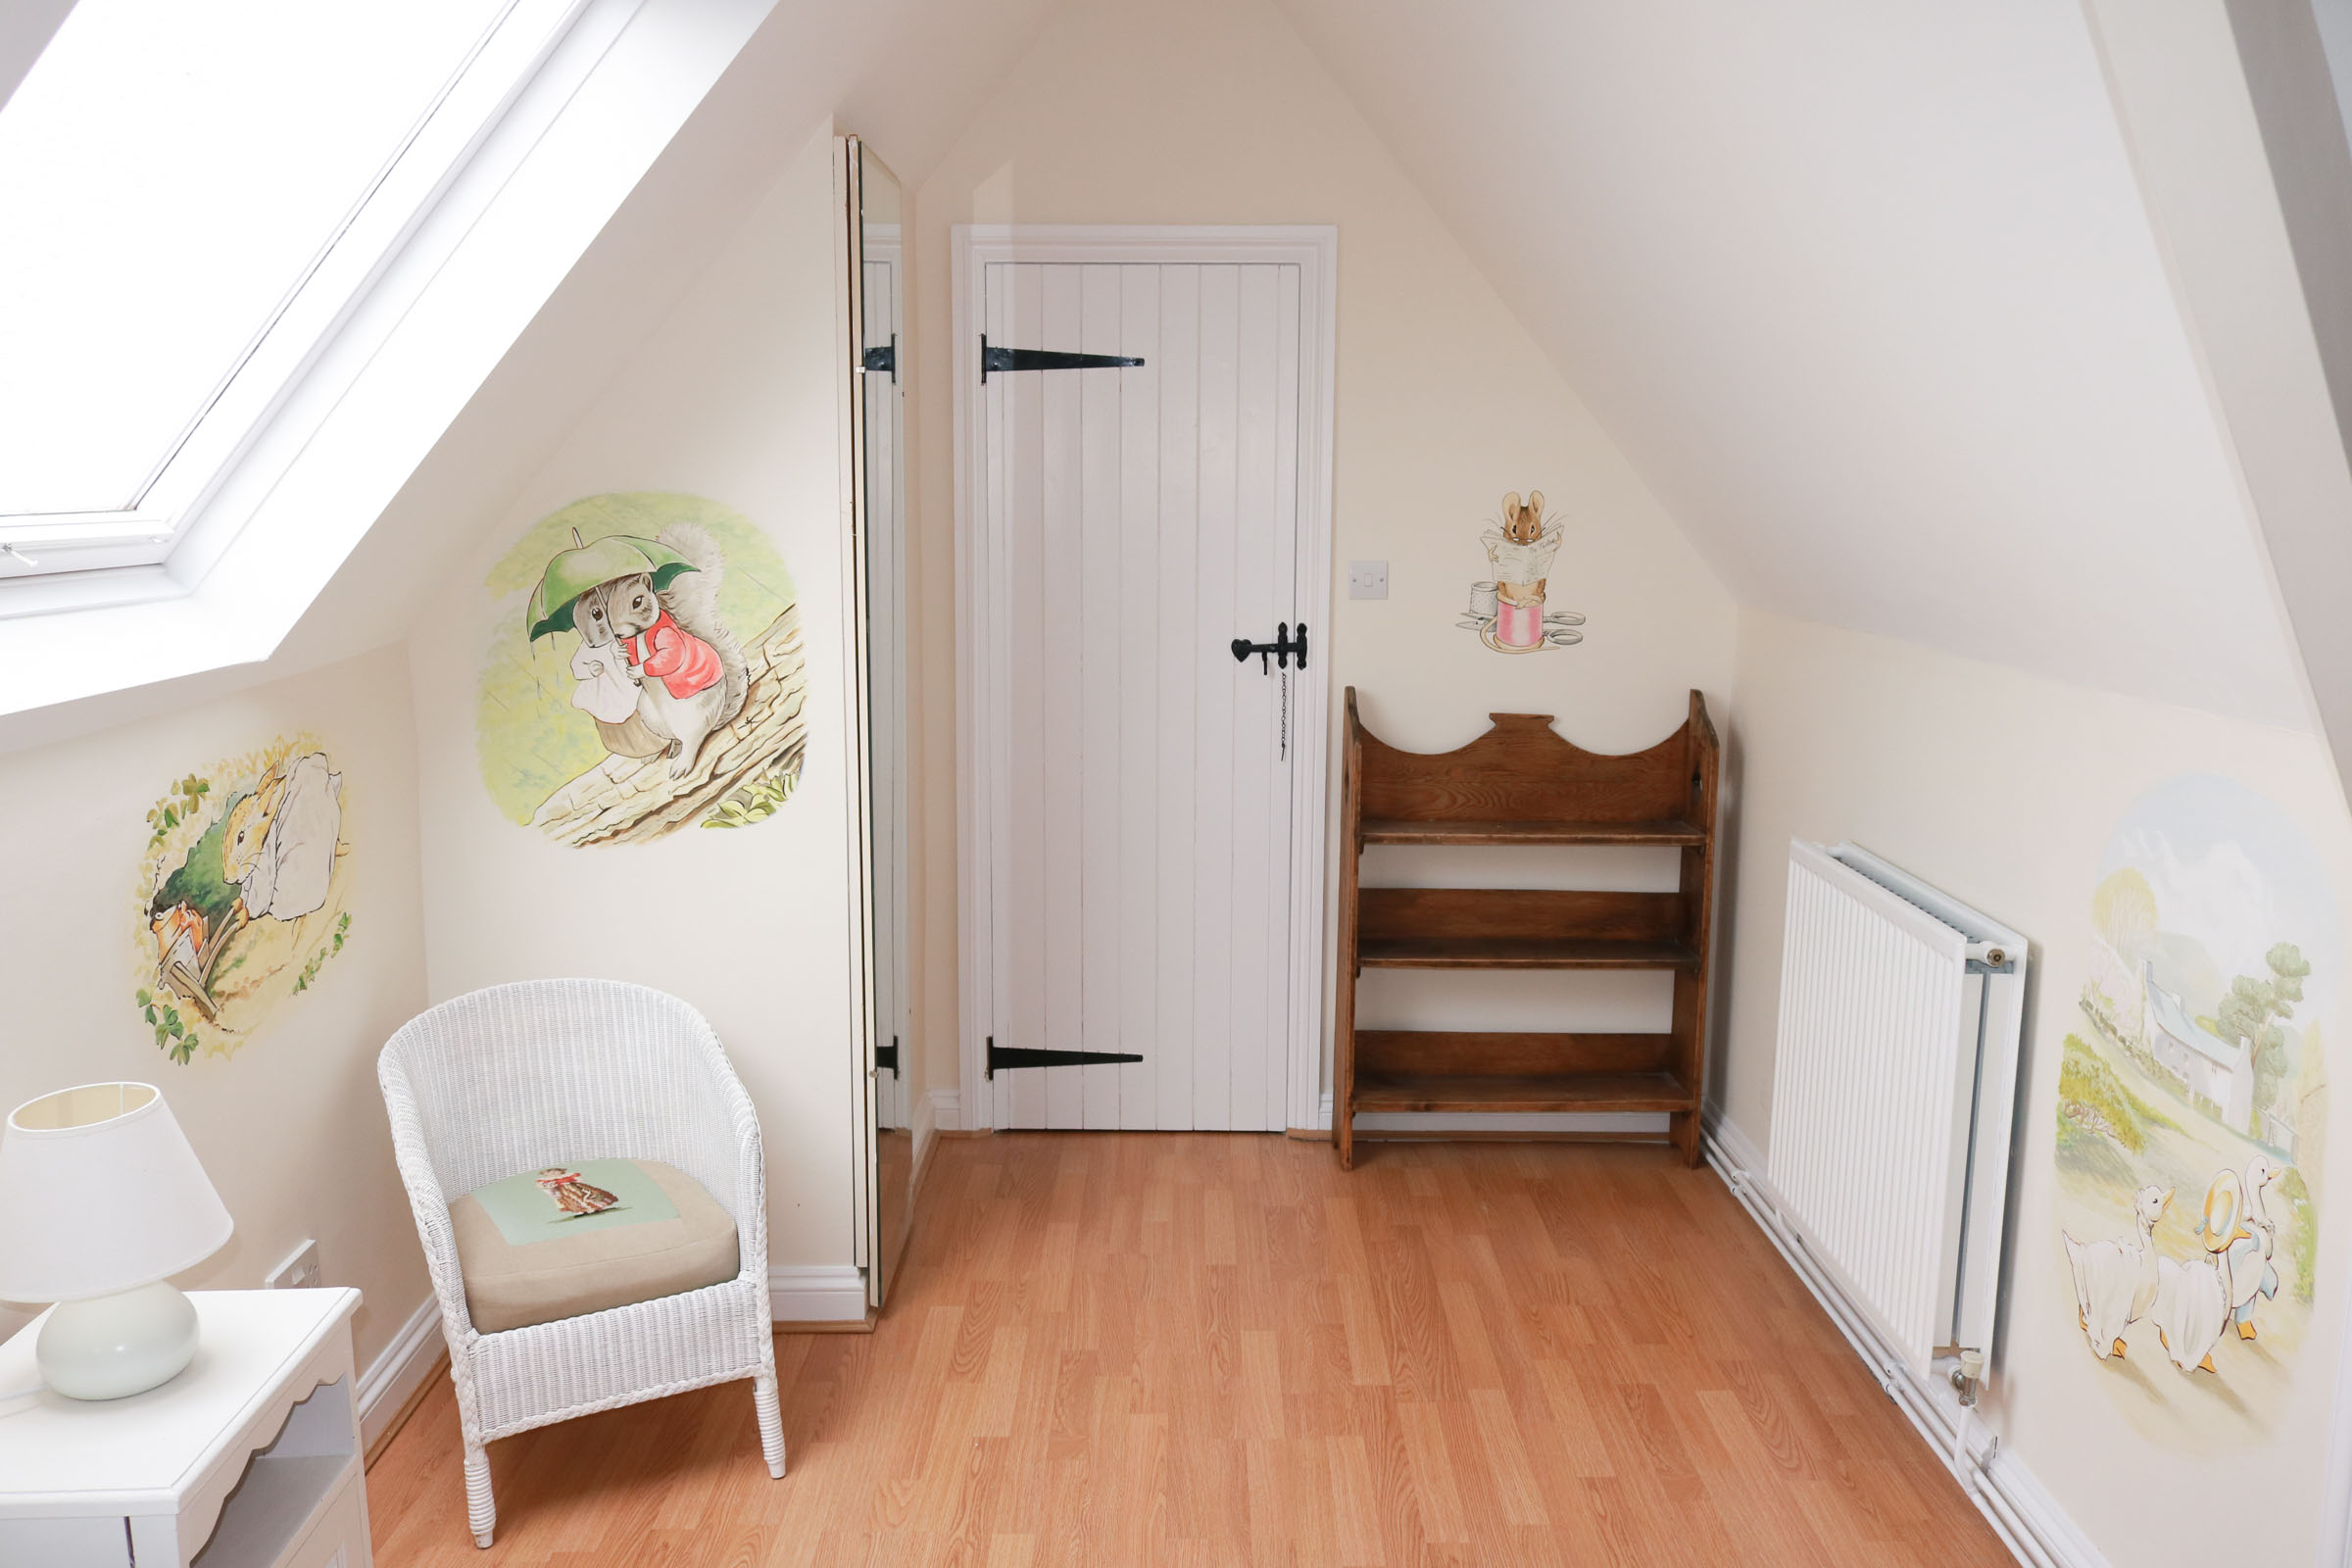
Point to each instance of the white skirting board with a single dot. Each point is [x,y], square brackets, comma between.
[398,1370]
[2020,1510]
[947,1114]
[1437,1123]
[925,1128]
[821,1292]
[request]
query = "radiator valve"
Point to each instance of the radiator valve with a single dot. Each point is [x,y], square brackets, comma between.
[1969,1376]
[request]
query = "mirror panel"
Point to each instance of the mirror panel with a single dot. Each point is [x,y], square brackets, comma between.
[879,346]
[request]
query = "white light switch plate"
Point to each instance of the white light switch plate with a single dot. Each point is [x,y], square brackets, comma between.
[1367,579]
[299,1272]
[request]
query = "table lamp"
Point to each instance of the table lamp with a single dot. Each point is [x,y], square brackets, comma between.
[101,1201]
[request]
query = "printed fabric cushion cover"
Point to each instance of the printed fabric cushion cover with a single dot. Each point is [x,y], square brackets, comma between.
[585,1236]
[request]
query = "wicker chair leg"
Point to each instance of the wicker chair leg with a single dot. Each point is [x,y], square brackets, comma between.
[481,1512]
[772,1423]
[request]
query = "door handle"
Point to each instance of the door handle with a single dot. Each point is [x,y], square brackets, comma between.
[1281,648]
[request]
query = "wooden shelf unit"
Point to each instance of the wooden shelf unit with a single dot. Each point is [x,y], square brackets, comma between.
[1521,784]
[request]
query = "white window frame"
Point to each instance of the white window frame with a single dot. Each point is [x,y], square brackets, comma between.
[185,513]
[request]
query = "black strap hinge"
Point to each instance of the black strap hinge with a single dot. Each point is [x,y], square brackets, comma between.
[993,358]
[1011,1056]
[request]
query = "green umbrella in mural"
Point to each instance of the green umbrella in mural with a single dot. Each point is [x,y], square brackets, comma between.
[572,572]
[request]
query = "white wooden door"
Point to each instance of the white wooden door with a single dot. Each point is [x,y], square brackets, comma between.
[1144,518]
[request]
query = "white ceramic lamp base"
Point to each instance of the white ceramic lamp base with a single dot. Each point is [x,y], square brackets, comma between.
[112,1346]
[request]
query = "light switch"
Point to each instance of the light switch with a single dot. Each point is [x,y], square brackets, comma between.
[1367,579]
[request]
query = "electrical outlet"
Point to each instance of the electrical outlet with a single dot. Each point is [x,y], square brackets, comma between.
[1367,579]
[299,1272]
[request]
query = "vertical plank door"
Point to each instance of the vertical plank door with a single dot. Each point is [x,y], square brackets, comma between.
[1146,517]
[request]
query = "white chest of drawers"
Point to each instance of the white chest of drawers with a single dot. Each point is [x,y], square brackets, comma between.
[248,1459]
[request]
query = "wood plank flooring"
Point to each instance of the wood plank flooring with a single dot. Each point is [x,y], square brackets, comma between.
[1207,1349]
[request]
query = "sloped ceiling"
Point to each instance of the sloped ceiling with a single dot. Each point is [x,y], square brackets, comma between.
[903,74]
[907,74]
[1869,295]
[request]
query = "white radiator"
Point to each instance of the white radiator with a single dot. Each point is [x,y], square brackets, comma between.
[1892,1093]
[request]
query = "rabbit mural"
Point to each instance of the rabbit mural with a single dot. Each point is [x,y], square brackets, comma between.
[645,672]
[2198,1067]
[241,896]
[1511,612]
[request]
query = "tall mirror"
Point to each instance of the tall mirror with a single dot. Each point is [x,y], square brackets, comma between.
[878,430]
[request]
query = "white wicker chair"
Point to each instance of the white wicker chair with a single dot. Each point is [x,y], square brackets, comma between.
[518,1077]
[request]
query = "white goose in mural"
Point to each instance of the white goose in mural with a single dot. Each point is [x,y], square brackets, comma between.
[2115,1282]
[2192,1299]
[2191,1309]
[2255,1243]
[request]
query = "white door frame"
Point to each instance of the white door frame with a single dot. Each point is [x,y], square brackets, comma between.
[982,581]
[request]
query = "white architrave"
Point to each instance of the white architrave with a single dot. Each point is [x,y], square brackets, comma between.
[981,584]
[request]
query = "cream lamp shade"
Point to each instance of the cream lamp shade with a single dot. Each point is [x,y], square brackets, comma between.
[101,1201]
[100,1192]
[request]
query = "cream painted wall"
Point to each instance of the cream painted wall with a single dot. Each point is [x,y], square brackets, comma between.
[1217,113]
[290,1127]
[2002,788]
[735,397]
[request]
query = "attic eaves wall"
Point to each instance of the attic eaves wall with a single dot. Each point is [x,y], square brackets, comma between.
[1870,297]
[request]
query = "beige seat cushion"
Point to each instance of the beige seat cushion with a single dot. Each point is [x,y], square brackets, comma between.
[579,1238]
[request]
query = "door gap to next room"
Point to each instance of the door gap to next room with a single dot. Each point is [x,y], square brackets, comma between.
[1142,428]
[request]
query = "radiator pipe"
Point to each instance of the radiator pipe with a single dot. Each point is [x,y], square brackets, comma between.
[1968,1467]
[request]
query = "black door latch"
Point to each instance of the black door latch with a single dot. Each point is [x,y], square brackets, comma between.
[1281,648]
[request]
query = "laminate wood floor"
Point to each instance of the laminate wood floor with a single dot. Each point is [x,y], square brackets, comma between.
[1197,1349]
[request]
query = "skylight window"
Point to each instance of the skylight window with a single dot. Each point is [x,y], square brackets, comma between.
[190,197]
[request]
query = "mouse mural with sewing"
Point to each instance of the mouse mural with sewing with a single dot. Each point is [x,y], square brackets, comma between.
[1511,609]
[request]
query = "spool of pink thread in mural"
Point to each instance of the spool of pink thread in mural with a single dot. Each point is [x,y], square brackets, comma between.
[1518,625]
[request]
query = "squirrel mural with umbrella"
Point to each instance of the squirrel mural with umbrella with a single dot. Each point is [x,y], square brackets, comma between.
[641,678]
[657,669]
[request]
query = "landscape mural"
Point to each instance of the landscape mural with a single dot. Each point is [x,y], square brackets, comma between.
[2192,1108]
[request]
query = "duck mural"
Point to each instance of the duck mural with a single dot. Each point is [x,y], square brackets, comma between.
[2115,1282]
[2253,1240]
[2197,1066]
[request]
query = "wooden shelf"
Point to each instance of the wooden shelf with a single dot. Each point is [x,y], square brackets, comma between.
[1523,953]
[1519,786]
[1404,830]
[1522,1093]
